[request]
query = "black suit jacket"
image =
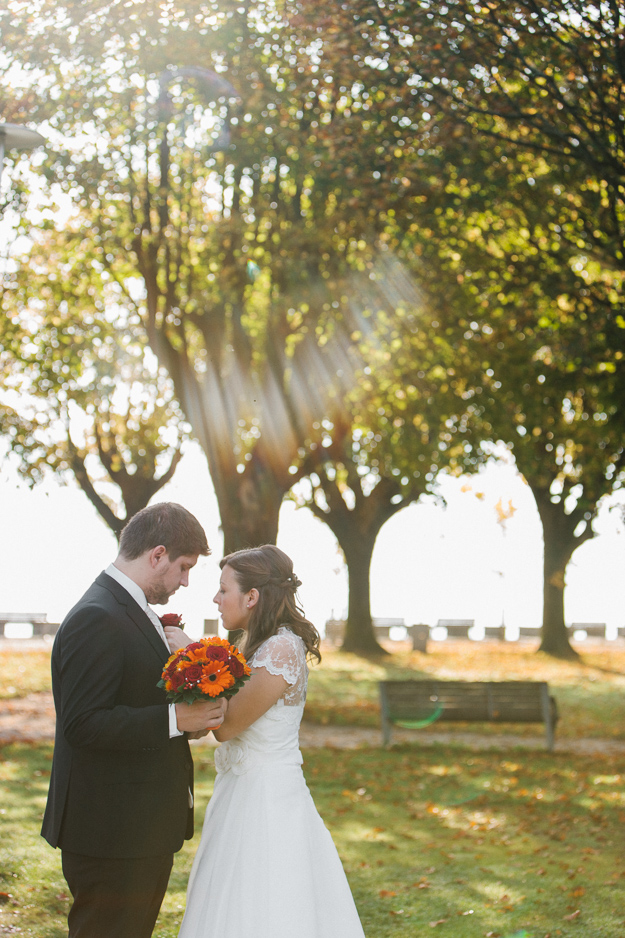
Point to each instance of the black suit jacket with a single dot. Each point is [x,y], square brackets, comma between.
[119,785]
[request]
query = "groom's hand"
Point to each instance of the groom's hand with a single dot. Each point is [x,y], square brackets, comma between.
[199,734]
[200,715]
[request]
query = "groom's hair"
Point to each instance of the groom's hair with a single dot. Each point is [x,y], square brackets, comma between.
[168,524]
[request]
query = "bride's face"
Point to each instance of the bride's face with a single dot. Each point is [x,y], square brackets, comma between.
[235,607]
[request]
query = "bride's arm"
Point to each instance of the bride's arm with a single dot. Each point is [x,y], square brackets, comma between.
[257,695]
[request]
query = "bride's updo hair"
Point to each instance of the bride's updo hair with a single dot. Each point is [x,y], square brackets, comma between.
[270,571]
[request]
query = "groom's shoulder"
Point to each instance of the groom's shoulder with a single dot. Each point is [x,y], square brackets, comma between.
[104,593]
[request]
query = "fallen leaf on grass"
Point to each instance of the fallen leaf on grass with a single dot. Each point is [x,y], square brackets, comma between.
[492,934]
[572,916]
[386,893]
[440,921]
[4,897]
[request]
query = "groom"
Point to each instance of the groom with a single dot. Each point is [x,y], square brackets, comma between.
[121,791]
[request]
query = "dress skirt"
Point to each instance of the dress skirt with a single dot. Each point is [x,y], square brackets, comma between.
[266,865]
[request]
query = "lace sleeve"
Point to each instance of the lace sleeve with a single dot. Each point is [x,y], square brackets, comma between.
[282,654]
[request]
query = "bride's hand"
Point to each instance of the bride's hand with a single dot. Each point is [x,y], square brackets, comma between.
[176,638]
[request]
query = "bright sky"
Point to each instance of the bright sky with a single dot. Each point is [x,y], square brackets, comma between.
[430,562]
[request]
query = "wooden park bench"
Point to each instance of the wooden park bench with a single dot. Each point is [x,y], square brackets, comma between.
[382,627]
[456,628]
[38,620]
[592,629]
[415,704]
[530,631]
[335,631]
[497,632]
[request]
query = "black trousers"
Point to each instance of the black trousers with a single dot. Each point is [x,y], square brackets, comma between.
[115,898]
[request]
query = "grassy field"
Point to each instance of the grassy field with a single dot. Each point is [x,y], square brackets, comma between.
[433,838]
[434,841]
[344,689]
[590,692]
[24,670]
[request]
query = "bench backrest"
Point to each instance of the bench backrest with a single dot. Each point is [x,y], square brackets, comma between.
[504,701]
[21,618]
[594,629]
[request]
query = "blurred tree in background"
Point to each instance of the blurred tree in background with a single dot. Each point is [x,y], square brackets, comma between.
[366,242]
[83,403]
[509,217]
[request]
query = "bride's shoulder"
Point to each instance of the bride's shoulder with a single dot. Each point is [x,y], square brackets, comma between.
[284,640]
[284,649]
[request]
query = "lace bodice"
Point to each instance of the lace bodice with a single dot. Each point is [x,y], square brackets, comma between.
[274,737]
[285,654]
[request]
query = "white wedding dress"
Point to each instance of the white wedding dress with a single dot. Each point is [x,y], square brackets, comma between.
[266,865]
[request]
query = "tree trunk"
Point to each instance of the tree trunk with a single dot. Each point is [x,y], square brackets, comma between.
[249,506]
[560,543]
[356,530]
[249,501]
[359,633]
[555,639]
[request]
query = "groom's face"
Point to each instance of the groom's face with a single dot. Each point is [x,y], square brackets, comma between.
[168,576]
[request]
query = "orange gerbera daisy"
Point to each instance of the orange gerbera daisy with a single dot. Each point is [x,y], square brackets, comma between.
[215,678]
[195,654]
[215,640]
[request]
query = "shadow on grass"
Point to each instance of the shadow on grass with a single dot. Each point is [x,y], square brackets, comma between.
[478,842]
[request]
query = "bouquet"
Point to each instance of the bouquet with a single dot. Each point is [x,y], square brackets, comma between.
[211,667]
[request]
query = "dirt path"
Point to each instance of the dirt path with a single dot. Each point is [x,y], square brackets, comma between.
[31,719]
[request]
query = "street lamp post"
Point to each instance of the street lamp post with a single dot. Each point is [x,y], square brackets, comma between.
[17,137]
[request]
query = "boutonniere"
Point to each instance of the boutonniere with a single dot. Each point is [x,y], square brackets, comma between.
[172,619]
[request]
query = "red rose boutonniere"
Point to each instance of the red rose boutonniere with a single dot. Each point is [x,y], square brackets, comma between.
[172,619]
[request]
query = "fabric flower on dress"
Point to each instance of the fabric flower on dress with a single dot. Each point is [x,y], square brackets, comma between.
[233,755]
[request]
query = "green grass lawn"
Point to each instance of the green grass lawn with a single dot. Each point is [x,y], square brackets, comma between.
[434,840]
[590,692]
[24,671]
[343,690]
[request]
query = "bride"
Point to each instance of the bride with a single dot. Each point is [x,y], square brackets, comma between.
[266,864]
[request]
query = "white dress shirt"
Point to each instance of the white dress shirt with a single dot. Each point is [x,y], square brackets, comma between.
[139,597]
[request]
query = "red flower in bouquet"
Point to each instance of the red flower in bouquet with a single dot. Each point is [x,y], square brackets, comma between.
[211,667]
[237,667]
